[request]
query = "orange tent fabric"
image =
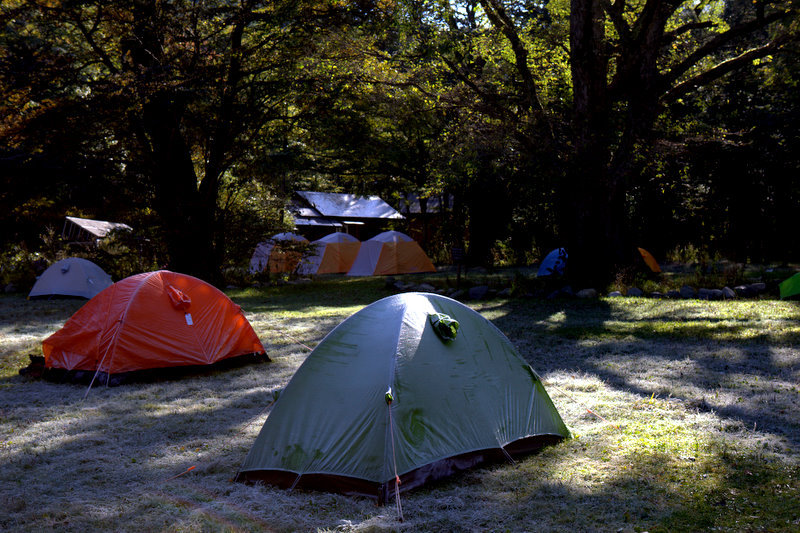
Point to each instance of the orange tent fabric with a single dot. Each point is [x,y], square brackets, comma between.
[339,257]
[152,320]
[332,254]
[401,258]
[390,252]
[277,254]
[650,260]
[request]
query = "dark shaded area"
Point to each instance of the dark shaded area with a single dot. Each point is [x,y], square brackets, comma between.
[383,492]
[37,370]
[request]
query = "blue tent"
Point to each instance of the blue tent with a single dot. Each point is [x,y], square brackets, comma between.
[554,263]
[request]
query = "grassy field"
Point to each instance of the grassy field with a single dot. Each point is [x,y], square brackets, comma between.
[685,416]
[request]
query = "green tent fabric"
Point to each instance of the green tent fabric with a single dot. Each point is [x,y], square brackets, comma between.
[383,389]
[790,287]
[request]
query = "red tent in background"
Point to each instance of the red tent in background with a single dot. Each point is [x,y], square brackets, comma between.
[152,320]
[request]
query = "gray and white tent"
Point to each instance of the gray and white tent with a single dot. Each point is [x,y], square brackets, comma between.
[72,276]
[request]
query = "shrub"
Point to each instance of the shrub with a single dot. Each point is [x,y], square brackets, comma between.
[19,267]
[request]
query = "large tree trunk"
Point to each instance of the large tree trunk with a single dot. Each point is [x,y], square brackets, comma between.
[188,221]
[187,215]
[592,203]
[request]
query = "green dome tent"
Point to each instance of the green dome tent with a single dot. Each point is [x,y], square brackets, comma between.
[790,287]
[388,396]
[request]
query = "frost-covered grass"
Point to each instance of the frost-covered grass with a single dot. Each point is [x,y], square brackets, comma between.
[685,416]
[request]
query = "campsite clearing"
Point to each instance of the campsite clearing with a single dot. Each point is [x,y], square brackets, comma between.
[685,415]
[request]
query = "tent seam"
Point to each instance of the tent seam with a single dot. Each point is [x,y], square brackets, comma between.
[115,339]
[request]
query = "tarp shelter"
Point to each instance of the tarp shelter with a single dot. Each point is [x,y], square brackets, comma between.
[332,254]
[151,320]
[89,230]
[388,253]
[790,287]
[649,260]
[553,263]
[275,256]
[383,395]
[72,276]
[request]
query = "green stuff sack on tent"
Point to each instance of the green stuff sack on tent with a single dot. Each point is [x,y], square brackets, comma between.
[444,326]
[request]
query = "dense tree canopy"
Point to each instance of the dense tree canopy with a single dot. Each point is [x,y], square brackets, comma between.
[595,124]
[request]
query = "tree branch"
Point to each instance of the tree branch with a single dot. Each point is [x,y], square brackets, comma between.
[614,12]
[502,22]
[488,99]
[720,70]
[691,26]
[89,36]
[717,43]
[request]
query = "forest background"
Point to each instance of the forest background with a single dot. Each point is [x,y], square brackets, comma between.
[598,125]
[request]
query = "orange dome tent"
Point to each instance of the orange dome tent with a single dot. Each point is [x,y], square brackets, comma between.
[332,254]
[153,320]
[388,253]
[651,262]
[277,254]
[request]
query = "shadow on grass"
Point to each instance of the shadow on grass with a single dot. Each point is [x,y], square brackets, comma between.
[695,359]
[328,292]
[121,445]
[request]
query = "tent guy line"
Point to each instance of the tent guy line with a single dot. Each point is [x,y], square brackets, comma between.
[562,391]
[294,340]
[389,399]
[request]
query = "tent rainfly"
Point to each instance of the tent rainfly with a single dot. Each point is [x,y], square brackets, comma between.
[790,286]
[649,260]
[270,255]
[149,321]
[553,263]
[389,400]
[389,253]
[73,276]
[332,254]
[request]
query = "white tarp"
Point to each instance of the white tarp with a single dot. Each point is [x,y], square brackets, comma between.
[82,228]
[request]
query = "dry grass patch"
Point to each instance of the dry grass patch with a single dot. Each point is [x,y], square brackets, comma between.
[684,416]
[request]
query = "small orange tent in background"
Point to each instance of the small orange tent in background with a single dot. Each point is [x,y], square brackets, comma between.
[390,252]
[276,254]
[153,320]
[650,260]
[332,254]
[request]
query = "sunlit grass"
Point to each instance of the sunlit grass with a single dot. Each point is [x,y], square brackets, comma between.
[685,416]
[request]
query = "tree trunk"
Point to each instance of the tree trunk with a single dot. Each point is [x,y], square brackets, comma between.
[591,202]
[187,219]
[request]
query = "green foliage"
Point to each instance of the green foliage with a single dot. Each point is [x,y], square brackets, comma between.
[203,117]
[18,267]
[125,253]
